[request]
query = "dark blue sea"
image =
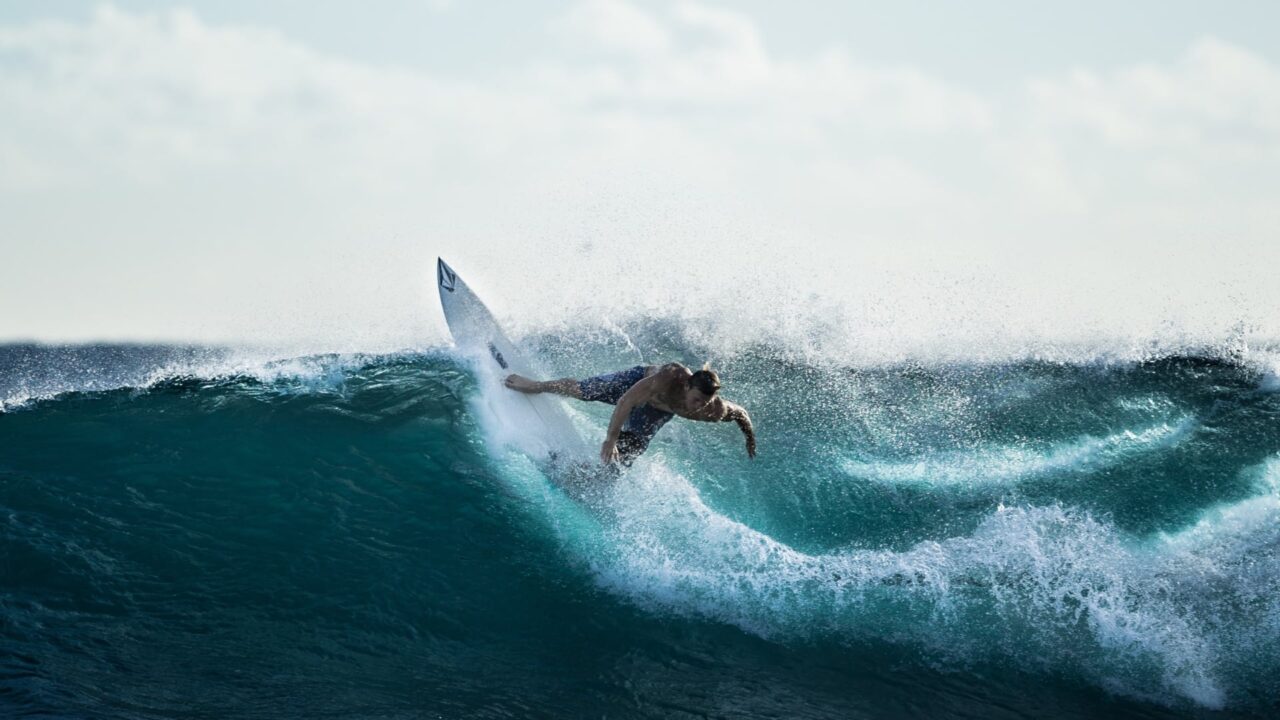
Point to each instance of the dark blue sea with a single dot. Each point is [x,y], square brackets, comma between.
[206,532]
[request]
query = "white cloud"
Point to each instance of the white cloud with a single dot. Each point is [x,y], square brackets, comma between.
[614,25]
[150,91]
[1217,93]
[706,58]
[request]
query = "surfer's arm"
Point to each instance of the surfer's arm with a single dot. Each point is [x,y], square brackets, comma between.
[638,394]
[737,414]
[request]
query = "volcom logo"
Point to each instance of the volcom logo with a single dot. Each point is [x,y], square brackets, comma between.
[446,277]
[497,356]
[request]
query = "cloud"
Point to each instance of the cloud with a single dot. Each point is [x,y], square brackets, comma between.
[633,125]
[613,25]
[699,58]
[1216,93]
[152,93]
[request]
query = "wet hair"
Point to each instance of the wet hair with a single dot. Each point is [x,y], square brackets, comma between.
[705,380]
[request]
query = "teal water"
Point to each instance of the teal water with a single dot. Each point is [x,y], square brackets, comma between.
[184,533]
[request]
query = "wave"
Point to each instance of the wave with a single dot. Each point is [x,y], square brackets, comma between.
[1156,580]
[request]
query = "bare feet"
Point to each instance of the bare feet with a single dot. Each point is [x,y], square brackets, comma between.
[522,384]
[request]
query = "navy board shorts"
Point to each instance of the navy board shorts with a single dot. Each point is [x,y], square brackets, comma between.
[643,422]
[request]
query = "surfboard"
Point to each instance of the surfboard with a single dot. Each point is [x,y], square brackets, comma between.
[539,425]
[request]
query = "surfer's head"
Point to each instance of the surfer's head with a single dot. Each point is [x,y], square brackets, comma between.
[702,386]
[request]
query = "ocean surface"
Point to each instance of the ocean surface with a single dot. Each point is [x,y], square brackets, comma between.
[225,533]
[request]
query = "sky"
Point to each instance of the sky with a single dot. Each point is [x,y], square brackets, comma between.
[989,171]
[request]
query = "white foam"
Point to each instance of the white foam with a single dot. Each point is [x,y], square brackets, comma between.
[1268,361]
[1232,552]
[1045,572]
[1010,464]
[1068,589]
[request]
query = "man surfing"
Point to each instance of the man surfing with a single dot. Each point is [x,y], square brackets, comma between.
[646,397]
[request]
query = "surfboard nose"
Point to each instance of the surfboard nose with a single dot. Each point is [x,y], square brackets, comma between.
[445,275]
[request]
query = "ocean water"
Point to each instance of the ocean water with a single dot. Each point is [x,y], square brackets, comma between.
[225,533]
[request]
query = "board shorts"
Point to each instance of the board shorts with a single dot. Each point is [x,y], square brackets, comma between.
[643,422]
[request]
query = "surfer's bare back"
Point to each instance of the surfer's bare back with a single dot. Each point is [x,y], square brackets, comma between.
[647,396]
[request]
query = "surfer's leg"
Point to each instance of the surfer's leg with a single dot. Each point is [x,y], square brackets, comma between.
[610,387]
[631,446]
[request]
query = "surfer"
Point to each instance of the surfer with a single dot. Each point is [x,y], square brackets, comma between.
[646,397]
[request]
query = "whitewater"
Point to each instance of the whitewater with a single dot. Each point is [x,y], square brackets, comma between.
[229,532]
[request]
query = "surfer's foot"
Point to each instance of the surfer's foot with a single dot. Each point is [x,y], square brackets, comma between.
[522,384]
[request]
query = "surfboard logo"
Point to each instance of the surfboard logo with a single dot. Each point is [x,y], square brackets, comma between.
[497,356]
[446,278]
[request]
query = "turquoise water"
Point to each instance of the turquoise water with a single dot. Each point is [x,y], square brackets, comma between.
[187,533]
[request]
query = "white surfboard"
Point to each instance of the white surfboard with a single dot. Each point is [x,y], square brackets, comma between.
[536,424]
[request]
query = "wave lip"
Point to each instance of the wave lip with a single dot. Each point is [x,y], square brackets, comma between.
[1010,464]
[45,373]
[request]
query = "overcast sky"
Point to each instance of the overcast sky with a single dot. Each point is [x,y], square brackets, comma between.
[288,171]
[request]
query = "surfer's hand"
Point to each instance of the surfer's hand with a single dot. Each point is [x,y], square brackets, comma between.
[515,382]
[609,452]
